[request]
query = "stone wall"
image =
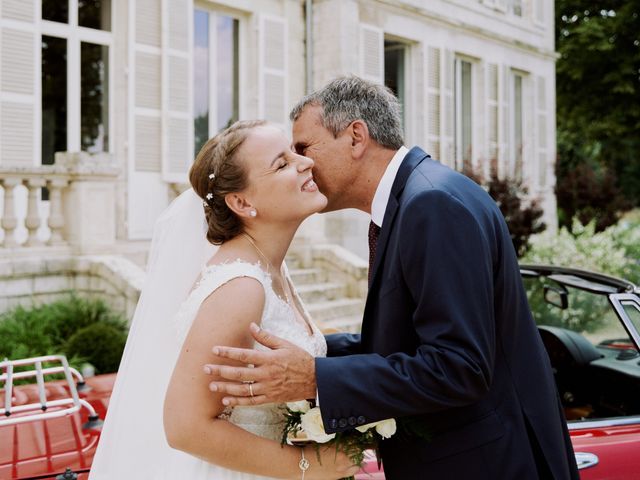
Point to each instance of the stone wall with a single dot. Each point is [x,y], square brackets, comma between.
[30,281]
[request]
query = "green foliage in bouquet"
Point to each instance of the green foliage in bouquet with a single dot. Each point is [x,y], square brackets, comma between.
[303,424]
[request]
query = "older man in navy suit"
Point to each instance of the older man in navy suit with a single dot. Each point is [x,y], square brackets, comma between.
[448,341]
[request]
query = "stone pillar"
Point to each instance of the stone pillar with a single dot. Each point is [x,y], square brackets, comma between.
[9,220]
[32,220]
[56,216]
[89,204]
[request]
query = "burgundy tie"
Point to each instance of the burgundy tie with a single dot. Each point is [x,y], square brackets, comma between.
[374,231]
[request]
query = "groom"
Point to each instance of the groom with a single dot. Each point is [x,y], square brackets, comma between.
[447,338]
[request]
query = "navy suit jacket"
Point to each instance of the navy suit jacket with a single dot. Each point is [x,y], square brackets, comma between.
[448,341]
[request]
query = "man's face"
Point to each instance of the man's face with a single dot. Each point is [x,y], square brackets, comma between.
[331,156]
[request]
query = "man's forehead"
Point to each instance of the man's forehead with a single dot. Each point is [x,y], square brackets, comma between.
[311,116]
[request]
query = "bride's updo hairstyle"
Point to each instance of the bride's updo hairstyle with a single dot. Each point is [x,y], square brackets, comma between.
[218,171]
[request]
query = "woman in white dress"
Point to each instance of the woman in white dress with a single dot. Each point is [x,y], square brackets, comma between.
[256,192]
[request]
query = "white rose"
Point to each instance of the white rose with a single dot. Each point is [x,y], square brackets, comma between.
[311,423]
[302,406]
[385,428]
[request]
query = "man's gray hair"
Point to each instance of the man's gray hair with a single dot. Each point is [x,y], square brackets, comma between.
[346,99]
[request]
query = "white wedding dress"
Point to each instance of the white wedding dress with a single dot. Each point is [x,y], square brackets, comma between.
[132,443]
[279,319]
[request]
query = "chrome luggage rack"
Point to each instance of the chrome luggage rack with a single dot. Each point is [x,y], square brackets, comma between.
[43,409]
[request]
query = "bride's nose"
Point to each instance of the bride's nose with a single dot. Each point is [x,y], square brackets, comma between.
[304,163]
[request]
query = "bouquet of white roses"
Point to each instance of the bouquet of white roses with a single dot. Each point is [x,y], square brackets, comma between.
[304,424]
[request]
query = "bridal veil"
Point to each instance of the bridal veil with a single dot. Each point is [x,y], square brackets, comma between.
[133,441]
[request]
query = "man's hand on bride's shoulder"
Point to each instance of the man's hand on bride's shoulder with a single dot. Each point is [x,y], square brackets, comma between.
[283,373]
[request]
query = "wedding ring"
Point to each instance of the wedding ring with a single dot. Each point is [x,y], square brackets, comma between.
[251,388]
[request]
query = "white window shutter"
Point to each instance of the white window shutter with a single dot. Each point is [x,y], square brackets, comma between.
[19,58]
[145,81]
[372,53]
[434,124]
[177,91]
[504,91]
[542,141]
[148,22]
[146,192]
[273,57]
[448,108]
[501,5]
[538,11]
[492,111]
[23,10]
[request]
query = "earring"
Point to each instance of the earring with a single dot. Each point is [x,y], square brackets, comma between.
[253,213]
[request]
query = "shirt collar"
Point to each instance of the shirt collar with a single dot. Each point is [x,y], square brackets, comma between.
[381,197]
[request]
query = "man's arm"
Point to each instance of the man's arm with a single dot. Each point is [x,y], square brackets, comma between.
[342,344]
[449,274]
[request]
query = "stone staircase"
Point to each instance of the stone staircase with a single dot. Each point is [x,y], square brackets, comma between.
[332,284]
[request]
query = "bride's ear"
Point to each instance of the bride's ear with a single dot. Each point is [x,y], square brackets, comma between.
[240,205]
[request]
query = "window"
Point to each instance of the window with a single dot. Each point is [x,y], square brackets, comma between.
[215,74]
[517,123]
[463,114]
[394,71]
[516,7]
[75,76]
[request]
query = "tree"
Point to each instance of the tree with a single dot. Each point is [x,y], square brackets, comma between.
[598,91]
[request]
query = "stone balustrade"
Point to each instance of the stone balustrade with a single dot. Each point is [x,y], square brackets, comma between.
[81,186]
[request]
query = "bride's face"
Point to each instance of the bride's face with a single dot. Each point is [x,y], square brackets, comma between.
[281,185]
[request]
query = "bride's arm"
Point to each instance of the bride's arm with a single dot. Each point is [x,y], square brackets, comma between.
[191,409]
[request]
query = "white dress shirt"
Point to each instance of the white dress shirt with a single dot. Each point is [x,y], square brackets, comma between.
[381,197]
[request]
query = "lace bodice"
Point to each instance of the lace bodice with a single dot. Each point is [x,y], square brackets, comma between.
[278,318]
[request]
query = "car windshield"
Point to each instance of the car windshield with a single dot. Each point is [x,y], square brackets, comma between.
[586,313]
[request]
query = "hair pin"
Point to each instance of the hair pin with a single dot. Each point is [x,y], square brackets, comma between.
[209,196]
[212,176]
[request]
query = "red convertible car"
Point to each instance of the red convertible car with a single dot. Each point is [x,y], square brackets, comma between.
[589,324]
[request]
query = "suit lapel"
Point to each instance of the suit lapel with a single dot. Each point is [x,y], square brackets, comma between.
[409,163]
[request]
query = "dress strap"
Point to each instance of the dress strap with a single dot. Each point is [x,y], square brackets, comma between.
[212,278]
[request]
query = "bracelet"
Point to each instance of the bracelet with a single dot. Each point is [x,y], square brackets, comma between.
[303,463]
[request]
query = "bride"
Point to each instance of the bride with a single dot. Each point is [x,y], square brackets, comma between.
[163,421]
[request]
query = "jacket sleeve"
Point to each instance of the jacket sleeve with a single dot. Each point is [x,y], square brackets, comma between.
[341,344]
[446,263]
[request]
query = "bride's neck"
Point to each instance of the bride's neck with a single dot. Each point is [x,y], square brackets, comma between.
[272,241]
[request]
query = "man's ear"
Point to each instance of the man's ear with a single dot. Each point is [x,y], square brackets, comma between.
[359,138]
[239,204]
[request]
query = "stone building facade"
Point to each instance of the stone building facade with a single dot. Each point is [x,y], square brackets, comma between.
[136,86]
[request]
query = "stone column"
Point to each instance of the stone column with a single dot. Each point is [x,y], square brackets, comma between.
[32,221]
[56,216]
[9,220]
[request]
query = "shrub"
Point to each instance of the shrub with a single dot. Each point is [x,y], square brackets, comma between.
[101,344]
[523,218]
[584,248]
[48,329]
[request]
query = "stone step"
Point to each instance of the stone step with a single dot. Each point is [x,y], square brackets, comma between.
[306,276]
[321,292]
[328,310]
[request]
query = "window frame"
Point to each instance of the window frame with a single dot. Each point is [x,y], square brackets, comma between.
[75,35]
[458,157]
[214,11]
